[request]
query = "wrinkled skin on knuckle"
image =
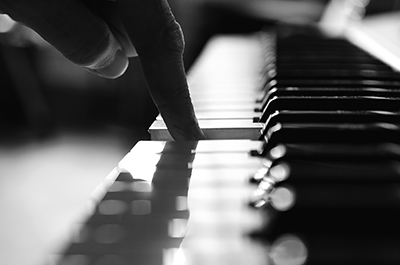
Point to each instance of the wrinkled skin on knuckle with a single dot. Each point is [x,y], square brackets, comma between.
[151,25]
[173,37]
[171,32]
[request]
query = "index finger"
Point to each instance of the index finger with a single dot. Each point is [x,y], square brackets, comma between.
[159,41]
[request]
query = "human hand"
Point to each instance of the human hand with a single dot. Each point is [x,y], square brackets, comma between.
[99,35]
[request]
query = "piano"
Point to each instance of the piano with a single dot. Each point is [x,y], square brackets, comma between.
[241,81]
[301,166]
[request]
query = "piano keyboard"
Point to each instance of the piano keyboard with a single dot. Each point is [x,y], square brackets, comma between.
[308,171]
[235,202]
[243,84]
[225,83]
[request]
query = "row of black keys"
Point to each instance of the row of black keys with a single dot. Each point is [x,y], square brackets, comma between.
[332,142]
[341,200]
[329,76]
[323,129]
[330,101]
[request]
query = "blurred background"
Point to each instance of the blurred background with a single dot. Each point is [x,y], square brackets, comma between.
[63,129]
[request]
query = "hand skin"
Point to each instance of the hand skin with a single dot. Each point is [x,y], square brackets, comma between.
[86,30]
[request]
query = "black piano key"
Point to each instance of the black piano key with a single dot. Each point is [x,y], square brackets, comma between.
[343,222]
[335,223]
[316,58]
[335,116]
[334,236]
[363,83]
[311,42]
[390,104]
[328,195]
[301,73]
[332,151]
[332,170]
[328,91]
[309,65]
[319,53]
[331,133]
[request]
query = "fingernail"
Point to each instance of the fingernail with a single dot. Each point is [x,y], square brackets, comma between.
[116,68]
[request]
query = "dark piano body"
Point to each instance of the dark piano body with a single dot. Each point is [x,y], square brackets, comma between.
[319,184]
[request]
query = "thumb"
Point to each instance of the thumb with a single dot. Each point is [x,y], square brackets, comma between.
[81,36]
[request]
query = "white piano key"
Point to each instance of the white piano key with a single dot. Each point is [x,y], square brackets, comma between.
[214,129]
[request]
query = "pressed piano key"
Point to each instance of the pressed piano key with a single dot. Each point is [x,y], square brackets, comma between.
[356,103]
[214,129]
